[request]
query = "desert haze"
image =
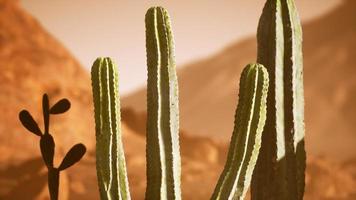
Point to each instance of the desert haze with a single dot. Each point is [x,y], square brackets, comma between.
[33,62]
[116,28]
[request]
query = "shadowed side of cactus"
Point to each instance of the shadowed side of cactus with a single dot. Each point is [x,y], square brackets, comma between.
[279,173]
[162,150]
[245,142]
[110,159]
[47,144]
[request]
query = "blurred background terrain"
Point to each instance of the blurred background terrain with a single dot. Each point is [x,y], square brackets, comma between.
[33,62]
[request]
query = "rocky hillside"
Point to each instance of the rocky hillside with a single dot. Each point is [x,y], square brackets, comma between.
[208,88]
[32,63]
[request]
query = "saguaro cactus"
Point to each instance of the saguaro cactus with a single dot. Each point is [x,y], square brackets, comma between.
[279,173]
[246,138]
[162,150]
[110,159]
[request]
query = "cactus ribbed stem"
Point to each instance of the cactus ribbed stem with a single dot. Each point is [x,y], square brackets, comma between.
[279,172]
[110,159]
[162,150]
[246,138]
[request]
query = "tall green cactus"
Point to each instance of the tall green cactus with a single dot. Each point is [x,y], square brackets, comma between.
[110,159]
[274,153]
[279,173]
[246,138]
[163,156]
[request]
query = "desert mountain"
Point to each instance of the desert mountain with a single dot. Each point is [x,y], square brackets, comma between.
[208,88]
[33,62]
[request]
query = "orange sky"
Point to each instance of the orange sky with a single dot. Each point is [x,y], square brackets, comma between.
[115,28]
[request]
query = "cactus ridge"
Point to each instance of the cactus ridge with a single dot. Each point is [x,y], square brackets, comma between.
[162,149]
[279,172]
[110,163]
[294,99]
[246,138]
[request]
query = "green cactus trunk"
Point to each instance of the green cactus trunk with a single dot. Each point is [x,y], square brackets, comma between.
[110,159]
[246,138]
[279,173]
[163,156]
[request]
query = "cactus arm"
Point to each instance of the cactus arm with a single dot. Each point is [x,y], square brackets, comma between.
[246,138]
[270,53]
[45,108]
[162,150]
[111,167]
[254,143]
[29,123]
[230,155]
[279,172]
[103,145]
[294,98]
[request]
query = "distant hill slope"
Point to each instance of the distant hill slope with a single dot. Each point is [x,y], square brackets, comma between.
[208,88]
[32,62]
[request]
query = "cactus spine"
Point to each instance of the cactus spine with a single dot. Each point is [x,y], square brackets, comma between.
[245,142]
[162,150]
[110,159]
[279,173]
